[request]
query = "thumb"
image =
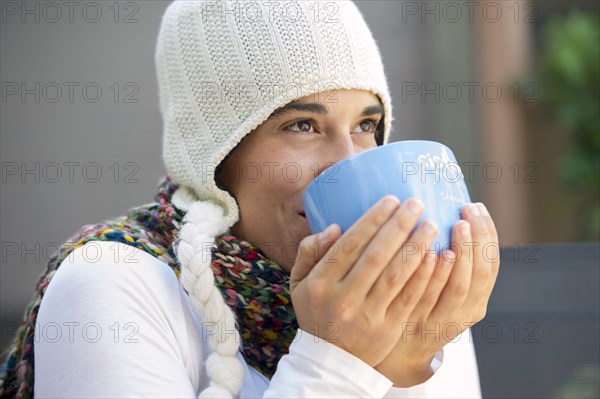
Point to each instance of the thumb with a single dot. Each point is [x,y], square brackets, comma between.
[311,251]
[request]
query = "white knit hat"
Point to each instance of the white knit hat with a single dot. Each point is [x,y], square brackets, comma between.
[223,67]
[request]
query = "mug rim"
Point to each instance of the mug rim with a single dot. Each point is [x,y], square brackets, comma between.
[370,150]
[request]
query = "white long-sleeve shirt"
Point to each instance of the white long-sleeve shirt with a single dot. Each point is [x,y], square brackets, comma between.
[115,322]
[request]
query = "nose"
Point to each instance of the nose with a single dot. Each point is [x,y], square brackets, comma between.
[339,147]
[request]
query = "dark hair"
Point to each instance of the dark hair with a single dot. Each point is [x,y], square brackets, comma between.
[379,130]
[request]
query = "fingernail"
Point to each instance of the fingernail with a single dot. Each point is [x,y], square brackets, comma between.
[465,229]
[390,203]
[483,209]
[430,257]
[429,227]
[449,256]
[414,206]
[324,235]
[474,210]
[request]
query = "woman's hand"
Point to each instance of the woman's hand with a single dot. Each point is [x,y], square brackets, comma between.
[358,290]
[456,298]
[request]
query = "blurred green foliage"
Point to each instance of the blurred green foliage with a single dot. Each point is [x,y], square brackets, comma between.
[583,384]
[569,81]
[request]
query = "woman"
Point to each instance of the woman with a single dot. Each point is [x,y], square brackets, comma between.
[256,101]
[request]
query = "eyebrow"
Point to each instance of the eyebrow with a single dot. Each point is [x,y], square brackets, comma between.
[319,108]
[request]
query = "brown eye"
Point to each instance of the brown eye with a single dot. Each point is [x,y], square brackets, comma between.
[303,126]
[368,126]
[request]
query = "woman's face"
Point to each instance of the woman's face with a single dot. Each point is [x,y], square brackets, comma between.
[270,169]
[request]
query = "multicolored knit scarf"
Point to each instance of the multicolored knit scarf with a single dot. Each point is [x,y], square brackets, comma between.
[254,287]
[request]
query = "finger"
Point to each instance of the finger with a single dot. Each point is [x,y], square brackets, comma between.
[493,249]
[481,237]
[456,290]
[480,232]
[341,257]
[411,294]
[391,286]
[486,271]
[488,221]
[439,278]
[384,246]
[311,251]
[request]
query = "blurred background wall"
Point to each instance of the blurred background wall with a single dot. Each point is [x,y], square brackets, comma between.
[510,86]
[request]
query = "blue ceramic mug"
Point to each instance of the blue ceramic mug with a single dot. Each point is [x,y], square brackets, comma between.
[423,169]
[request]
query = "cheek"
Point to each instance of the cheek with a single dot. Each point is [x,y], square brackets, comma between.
[288,172]
[294,176]
[268,185]
[291,174]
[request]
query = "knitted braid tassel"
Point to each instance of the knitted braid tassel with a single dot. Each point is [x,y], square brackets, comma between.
[202,222]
